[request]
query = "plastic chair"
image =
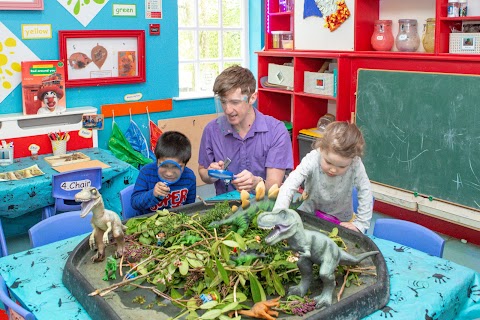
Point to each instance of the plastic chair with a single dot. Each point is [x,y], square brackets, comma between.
[410,234]
[3,243]
[66,184]
[125,199]
[13,309]
[355,200]
[59,227]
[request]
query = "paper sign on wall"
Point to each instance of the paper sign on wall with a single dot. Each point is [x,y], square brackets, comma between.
[153,9]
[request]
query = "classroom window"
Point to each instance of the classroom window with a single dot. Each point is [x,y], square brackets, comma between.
[212,35]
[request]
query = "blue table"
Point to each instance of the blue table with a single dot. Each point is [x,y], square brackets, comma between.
[21,197]
[418,282]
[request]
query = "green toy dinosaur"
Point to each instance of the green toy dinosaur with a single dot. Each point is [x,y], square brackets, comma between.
[110,269]
[240,220]
[314,248]
[247,257]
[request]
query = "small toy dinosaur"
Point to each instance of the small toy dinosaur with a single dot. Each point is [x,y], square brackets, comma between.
[261,310]
[314,248]
[103,222]
[246,257]
[110,269]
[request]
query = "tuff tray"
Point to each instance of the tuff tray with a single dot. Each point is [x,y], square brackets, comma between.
[82,277]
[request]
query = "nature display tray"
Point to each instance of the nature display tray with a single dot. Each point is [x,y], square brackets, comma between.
[82,277]
[68,158]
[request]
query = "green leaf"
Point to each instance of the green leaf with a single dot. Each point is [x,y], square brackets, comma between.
[258,294]
[223,272]
[192,316]
[242,280]
[216,281]
[129,287]
[209,305]
[210,273]
[213,251]
[183,268]
[175,294]
[225,251]
[194,263]
[277,283]
[230,243]
[211,314]
[144,240]
[230,306]
[240,241]
[171,268]
[240,297]
[192,304]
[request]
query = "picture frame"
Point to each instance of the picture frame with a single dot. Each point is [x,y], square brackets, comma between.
[93,121]
[21,5]
[102,57]
[468,42]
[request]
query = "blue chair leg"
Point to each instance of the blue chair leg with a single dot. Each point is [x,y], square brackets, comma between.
[47,212]
[3,243]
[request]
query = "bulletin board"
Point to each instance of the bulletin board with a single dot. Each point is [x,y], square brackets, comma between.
[192,127]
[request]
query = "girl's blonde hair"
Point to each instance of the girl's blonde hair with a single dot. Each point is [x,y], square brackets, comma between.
[343,138]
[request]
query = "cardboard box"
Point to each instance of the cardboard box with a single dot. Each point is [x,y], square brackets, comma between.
[320,83]
[281,75]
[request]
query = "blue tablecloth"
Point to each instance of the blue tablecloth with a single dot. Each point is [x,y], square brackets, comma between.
[20,197]
[421,286]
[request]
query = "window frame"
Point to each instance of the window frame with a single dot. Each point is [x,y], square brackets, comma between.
[197,61]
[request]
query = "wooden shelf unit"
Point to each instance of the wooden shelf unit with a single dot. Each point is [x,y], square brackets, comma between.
[304,109]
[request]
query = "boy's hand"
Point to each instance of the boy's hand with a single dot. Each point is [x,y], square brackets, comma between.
[161,190]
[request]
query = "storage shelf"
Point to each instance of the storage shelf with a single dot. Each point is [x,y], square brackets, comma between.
[316,96]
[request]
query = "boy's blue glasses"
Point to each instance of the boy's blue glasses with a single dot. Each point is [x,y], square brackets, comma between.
[169,172]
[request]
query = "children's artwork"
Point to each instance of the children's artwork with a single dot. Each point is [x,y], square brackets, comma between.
[12,51]
[333,11]
[30,172]
[43,87]
[127,65]
[93,121]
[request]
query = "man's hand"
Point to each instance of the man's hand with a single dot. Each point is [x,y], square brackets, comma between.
[245,180]
[161,190]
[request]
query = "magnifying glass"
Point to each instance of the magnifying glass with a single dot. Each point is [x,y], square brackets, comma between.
[225,175]
[169,172]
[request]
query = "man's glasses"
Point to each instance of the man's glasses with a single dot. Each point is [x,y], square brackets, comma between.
[230,102]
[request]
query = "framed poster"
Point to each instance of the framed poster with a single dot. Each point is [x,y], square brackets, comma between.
[103,57]
[21,5]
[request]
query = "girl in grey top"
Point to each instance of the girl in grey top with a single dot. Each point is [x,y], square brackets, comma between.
[330,172]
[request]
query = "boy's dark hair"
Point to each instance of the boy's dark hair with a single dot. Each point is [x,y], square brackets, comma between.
[174,144]
[235,77]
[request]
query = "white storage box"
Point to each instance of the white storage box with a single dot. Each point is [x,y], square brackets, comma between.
[280,74]
[464,43]
[320,83]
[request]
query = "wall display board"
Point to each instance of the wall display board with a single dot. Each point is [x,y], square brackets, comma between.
[422,133]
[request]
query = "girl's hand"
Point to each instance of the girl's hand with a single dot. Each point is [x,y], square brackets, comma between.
[349,225]
[161,190]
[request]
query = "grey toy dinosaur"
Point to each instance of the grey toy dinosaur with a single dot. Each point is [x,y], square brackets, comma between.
[103,222]
[313,247]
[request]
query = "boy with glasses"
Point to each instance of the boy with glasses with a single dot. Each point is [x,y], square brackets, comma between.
[166,183]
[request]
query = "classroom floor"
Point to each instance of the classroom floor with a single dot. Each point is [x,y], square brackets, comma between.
[462,253]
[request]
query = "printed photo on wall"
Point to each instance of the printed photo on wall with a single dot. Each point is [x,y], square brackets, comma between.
[127,66]
[43,87]
[93,121]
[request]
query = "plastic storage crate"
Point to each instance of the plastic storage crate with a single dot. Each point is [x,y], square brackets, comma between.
[305,145]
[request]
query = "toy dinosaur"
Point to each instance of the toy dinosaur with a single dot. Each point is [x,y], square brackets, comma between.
[313,247]
[103,222]
[110,269]
[241,218]
[246,257]
[261,310]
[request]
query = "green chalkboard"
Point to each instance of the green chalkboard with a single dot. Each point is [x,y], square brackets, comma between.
[422,132]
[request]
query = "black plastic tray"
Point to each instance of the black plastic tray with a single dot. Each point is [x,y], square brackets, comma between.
[82,277]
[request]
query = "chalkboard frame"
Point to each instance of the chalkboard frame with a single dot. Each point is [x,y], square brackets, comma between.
[420,132]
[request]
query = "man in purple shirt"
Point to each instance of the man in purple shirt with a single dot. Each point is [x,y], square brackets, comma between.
[259,146]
